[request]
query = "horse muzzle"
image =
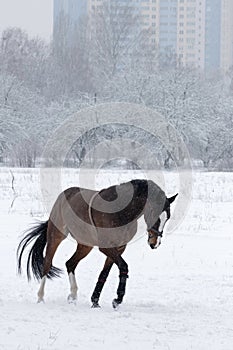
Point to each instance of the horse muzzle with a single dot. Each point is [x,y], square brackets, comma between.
[156,244]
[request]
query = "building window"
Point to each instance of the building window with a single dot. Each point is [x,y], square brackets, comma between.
[190,40]
[191,8]
[191,15]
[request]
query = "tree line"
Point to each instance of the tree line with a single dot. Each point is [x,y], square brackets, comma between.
[42,83]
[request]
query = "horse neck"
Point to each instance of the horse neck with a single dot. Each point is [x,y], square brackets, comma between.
[137,205]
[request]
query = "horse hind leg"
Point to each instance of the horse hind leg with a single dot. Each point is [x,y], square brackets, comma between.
[81,252]
[54,238]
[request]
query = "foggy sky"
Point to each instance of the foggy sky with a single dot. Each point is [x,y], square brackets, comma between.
[34,16]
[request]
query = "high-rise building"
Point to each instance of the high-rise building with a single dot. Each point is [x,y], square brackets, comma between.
[73,10]
[219,34]
[147,12]
[167,25]
[149,18]
[66,15]
[191,33]
[198,32]
[212,34]
[226,39]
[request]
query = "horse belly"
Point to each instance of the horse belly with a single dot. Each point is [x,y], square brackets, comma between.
[116,237]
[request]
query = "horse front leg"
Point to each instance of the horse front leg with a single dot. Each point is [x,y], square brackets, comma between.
[123,268]
[113,254]
[101,281]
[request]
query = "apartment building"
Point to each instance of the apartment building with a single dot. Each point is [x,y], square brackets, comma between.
[146,12]
[149,15]
[198,32]
[226,35]
[73,10]
[66,15]
[212,34]
[167,14]
[191,33]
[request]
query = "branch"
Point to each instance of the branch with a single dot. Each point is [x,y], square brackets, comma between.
[12,182]
[13,189]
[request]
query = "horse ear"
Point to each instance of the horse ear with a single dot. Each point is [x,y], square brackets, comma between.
[171,199]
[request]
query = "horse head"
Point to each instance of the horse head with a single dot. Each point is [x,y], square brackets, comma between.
[155,230]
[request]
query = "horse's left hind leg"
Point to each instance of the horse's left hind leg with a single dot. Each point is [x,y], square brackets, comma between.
[54,238]
[71,264]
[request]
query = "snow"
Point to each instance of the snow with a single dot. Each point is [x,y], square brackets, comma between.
[177,297]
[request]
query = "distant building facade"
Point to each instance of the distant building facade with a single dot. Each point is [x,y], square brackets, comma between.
[198,32]
[226,39]
[167,25]
[73,9]
[212,34]
[191,33]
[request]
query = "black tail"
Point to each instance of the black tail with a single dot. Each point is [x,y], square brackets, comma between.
[35,260]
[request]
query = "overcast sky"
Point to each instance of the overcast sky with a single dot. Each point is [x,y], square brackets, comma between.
[34,16]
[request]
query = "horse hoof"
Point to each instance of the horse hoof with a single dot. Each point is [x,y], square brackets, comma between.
[115,304]
[40,300]
[95,306]
[72,299]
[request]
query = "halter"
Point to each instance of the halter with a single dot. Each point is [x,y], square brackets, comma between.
[154,233]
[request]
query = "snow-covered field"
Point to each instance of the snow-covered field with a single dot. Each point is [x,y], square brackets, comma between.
[178,297]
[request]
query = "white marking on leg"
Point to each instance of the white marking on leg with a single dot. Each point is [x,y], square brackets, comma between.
[73,287]
[41,290]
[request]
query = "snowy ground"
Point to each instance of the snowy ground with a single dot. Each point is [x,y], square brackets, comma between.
[178,297]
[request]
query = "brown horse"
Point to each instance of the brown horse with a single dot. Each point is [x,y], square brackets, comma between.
[107,219]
